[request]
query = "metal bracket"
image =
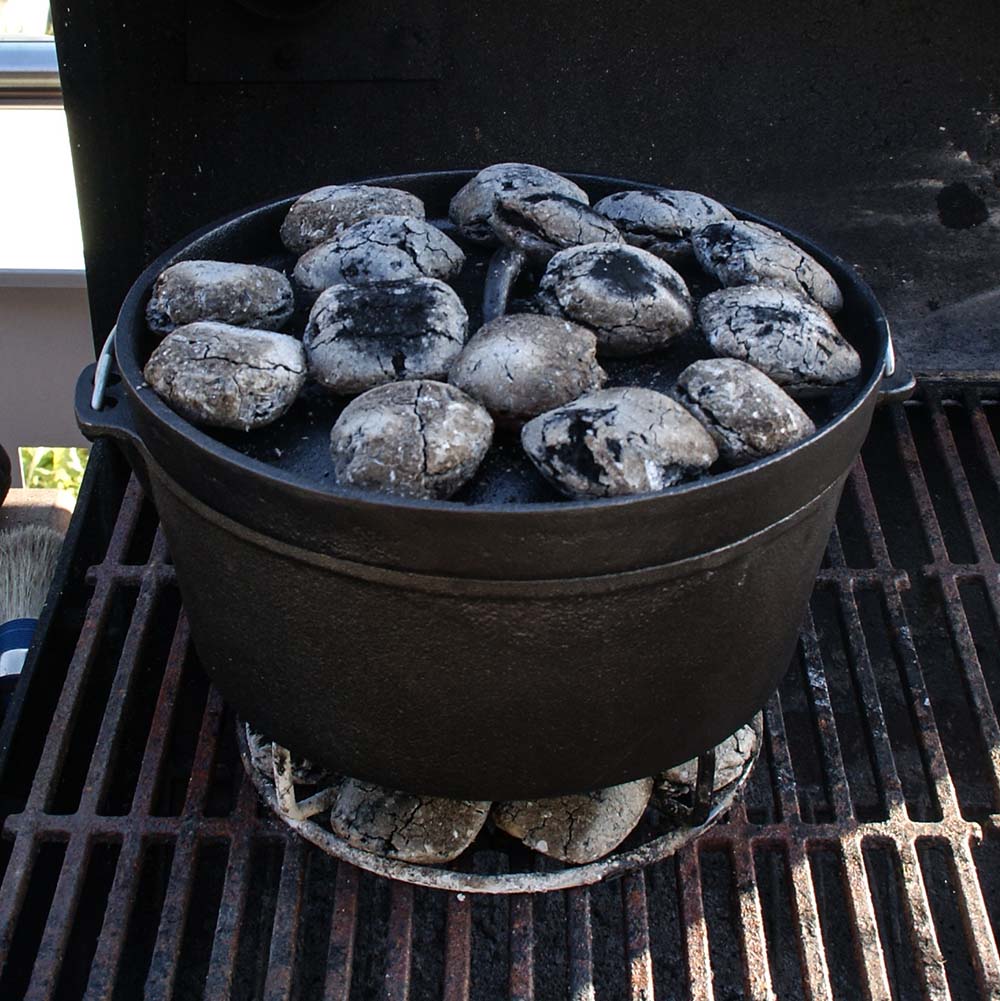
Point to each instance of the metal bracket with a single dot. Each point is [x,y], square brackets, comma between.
[102,371]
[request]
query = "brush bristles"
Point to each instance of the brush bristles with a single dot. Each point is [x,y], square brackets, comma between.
[28,558]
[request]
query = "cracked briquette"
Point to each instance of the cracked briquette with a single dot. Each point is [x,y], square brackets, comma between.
[304,771]
[472,207]
[381,249]
[614,442]
[626,275]
[731,758]
[323,213]
[634,302]
[360,336]
[747,253]
[662,220]
[418,829]
[784,334]
[539,224]
[243,295]
[521,365]
[417,438]
[225,376]
[569,437]
[577,829]
[747,414]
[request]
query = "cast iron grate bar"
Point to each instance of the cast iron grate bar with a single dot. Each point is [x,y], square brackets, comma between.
[863,858]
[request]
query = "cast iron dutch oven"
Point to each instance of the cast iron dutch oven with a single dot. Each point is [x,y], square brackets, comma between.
[490,650]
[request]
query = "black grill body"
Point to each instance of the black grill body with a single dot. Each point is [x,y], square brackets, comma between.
[863,860]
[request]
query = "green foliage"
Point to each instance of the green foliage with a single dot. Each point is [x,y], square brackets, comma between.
[53,468]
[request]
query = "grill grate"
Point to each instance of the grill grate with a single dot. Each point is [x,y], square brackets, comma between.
[863,859]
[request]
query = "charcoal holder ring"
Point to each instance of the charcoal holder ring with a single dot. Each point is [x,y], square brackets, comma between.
[278,792]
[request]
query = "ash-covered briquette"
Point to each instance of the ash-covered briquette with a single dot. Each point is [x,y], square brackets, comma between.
[784,334]
[634,302]
[731,757]
[614,442]
[323,213]
[303,770]
[472,207]
[418,829]
[520,365]
[541,224]
[661,221]
[384,248]
[225,376]
[577,829]
[414,439]
[360,336]
[748,414]
[747,253]
[244,295]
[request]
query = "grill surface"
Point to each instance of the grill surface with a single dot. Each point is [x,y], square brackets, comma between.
[863,860]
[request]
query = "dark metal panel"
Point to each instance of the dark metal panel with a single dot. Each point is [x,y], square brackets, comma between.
[380,40]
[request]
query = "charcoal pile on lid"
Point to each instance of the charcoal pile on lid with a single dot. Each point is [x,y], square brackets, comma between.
[628,347]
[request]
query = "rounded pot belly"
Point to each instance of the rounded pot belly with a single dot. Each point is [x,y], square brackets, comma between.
[492,689]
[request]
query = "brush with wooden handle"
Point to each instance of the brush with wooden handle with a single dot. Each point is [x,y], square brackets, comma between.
[28,558]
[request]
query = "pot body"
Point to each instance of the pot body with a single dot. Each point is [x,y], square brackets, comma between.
[486,652]
[492,689]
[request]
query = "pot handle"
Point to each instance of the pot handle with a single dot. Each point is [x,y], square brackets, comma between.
[898,383]
[103,411]
[101,405]
[504,267]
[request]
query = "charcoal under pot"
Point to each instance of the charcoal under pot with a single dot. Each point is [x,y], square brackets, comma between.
[483,650]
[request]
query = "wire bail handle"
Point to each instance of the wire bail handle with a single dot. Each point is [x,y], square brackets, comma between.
[104,360]
[890,353]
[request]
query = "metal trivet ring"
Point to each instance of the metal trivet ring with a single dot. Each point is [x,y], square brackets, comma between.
[277,788]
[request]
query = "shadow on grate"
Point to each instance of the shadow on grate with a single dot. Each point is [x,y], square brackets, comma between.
[862,860]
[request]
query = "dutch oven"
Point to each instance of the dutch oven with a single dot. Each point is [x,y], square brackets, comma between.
[491,650]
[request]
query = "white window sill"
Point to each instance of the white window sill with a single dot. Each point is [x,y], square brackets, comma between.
[43,278]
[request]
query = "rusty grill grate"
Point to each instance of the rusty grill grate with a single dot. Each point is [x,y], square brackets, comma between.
[863,861]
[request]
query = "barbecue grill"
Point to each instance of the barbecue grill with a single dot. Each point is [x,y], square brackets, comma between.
[862,858]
